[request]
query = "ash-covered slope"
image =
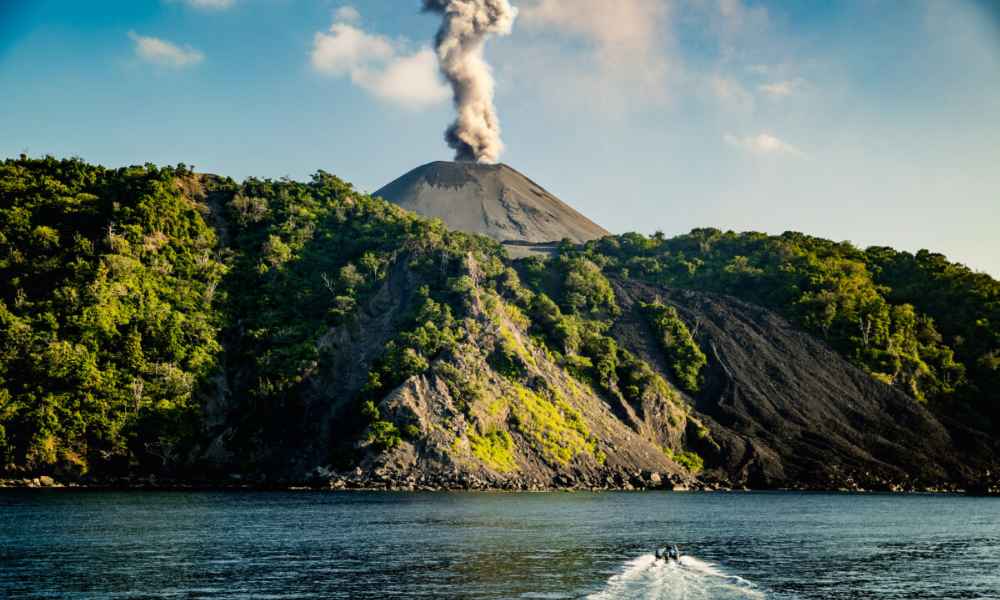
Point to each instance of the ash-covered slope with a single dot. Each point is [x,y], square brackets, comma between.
[784,410]
[493,200]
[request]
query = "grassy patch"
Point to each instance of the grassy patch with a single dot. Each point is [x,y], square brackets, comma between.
[495,449]
[496,406]
[557,429]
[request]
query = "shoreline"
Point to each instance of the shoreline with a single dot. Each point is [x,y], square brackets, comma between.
[152,485]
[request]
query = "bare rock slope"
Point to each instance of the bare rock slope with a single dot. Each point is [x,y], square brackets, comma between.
[493,200]
[783,409]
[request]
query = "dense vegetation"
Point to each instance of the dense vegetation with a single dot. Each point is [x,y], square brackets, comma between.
[129,295]
[108,318]
[117,295]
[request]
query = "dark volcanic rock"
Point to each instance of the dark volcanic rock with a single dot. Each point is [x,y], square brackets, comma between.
[493,200]
[784,410]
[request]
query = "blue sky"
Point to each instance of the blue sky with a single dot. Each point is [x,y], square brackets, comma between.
[874,121]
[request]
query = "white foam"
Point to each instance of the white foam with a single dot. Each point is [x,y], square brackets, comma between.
[692,579]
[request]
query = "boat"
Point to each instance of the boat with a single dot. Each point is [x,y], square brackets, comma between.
[668,553]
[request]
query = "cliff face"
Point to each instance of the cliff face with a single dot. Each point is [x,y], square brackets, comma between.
[494,411]
[777,409]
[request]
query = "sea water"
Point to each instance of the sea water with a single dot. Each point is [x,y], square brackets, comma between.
[242,545]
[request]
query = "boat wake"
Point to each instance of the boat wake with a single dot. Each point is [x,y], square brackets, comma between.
[692,579]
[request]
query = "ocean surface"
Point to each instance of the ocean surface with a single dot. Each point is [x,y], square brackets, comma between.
[241,545]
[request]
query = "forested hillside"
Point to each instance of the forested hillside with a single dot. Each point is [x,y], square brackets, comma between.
[153,320]
[918,322]
[109,317]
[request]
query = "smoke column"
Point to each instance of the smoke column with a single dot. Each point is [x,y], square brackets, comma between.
[475,134]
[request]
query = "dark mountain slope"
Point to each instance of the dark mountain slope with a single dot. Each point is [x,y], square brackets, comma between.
[784,409]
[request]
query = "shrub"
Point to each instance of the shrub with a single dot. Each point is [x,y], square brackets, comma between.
[585,288]
[691,461]
[384,435]
[685,358]
[495,448]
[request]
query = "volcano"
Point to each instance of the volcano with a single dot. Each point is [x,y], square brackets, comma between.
[492,200]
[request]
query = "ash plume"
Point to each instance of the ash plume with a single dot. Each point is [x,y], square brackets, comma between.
[475,134]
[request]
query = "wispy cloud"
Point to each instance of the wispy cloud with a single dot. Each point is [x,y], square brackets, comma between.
[624,43]
[347,14]
[164,53]
[376,64]
[210,4]
[781,89]
[622,56]
[763,144]
[624,32]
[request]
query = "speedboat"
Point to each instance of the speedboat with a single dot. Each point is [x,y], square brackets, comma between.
[668,553]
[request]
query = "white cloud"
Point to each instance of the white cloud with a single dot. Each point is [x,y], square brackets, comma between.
[347,14]
[781,89]
[763,143]
[410,80]
[346,48]
[212,4]
[618,28]
[616,57]
[376,64]
[207,4]
[626,41]
[164,53]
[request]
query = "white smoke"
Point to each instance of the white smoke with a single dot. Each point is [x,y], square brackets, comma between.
[475,134]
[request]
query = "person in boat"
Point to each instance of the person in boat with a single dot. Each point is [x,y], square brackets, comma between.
[667,554]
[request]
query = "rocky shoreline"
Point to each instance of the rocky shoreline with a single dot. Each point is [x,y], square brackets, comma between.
[361,481]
